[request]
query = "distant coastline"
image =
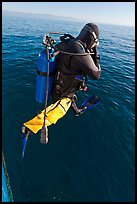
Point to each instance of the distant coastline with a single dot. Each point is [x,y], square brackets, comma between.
[38,16]
[52,17]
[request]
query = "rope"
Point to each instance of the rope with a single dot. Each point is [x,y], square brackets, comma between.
[77,54]
[71,53]
[47,86]
[10,195]
[68,53]
[44,131]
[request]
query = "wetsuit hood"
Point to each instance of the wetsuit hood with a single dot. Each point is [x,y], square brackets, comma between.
[89,34]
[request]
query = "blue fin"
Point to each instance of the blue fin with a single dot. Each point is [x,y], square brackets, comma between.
[91,102]
[24,138]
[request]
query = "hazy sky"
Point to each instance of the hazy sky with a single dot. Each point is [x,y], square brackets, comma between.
[122,13]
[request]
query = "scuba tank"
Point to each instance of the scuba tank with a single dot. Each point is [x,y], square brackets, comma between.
[46,69]
[41,77]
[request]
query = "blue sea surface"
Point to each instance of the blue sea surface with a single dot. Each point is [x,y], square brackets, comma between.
[88,158]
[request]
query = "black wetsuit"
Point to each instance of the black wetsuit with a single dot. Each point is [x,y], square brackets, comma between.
[69,67]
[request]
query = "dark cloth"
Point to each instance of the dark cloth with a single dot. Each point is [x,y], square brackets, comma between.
[69,67]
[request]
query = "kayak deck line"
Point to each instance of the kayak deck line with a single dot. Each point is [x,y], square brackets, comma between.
[7,195]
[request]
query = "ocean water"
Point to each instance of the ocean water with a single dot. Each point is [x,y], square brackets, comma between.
[88,158]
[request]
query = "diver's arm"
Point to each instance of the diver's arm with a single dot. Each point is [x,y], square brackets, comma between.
[95,57]
[86,65]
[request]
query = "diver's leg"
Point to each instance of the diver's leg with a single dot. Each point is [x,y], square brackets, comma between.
[76,110]
[26,131]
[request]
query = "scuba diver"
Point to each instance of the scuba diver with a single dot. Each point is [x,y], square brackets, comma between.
[76,60]
[72,70]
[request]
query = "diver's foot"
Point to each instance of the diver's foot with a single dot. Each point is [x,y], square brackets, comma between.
[47,139]
[44,135]
[78,112]
[44,140]
[26,131]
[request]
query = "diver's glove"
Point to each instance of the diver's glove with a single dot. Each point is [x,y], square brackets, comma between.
[95,57]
